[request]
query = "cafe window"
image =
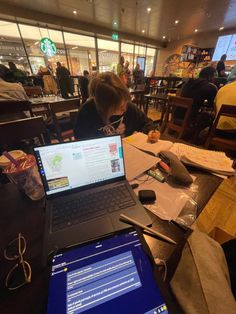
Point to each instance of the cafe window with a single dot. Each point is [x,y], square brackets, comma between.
[32,36]
[11,47]
[108,55]
[81,53]
[127,51]
[150,57]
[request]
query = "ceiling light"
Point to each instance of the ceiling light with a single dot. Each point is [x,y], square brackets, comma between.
[74,47]
[115,23]
[143,30]
[164,37]
[221,28]
[176,21]
[74,12]
[149,10]
[196,30]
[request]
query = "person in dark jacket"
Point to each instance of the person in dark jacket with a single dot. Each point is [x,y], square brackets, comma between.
[84,82]
[64,80]
[221,66]
[203,92]
[109,110]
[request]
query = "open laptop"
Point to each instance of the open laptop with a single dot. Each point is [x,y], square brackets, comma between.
[86,191]
[109,275]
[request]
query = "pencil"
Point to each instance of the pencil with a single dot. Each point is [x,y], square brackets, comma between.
[154,232]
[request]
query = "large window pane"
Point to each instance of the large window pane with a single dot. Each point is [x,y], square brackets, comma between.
[11,48]
[81,53]
[150,56]
[127,51]
[32,36]
[108,54]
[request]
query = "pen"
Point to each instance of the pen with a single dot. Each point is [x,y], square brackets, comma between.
[134,222]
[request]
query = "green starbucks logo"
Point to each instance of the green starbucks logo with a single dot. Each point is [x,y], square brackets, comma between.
[48,47]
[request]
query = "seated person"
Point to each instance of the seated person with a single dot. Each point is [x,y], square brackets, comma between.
[202,91]
[84,82]
[17,75]
[109,110]
[232,75]
[226,96]
[10,91]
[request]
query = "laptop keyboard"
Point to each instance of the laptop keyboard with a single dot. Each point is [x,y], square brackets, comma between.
[89,206]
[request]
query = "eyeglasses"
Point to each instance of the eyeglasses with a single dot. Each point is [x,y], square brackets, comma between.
[20,273]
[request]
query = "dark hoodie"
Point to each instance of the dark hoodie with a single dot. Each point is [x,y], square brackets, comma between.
[90,124]
[199,90]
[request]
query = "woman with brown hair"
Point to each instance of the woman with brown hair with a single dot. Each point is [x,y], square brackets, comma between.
[109,110]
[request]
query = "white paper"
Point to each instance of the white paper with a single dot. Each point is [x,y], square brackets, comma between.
[140,141]
[136,161]
[203,158]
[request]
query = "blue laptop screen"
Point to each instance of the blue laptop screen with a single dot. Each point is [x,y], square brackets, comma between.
[76,164]
[112,275]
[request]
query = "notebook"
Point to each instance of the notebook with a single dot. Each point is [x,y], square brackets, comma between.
[86,191]
[109,275]
[213,161]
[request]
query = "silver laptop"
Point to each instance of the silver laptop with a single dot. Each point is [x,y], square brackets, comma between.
[86,191]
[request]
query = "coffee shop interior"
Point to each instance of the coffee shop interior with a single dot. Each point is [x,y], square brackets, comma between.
[118,120]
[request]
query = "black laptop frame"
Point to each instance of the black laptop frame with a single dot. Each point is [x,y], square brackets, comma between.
[83,188]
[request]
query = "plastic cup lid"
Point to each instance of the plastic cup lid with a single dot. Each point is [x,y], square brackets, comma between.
[17,154]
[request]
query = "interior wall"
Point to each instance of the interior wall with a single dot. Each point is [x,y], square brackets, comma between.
[202,40]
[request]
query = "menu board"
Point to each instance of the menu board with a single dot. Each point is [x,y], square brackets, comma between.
[225,45]
[231,52]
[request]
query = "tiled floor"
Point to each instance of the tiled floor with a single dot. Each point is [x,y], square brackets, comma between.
[220,212]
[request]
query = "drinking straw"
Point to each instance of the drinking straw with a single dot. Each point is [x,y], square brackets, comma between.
[12,159]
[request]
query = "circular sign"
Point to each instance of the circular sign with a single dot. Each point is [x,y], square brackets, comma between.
[48,47]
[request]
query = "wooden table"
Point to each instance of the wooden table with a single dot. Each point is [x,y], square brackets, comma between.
[20,214]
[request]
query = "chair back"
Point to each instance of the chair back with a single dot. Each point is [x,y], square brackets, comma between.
[14,131]
[178,102]
[220,141]
[63,107]
[33,91]
[14,107]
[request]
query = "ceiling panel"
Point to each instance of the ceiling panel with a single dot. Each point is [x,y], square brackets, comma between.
[132,16]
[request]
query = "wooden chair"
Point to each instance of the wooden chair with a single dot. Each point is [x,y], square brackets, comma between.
[219,140]
[33,91]
[13,107]
[170,122]
[63,125]
[13,132]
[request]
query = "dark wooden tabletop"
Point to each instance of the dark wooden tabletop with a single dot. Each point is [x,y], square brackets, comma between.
[19,214]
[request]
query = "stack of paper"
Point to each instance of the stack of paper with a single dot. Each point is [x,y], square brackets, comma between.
[213,161]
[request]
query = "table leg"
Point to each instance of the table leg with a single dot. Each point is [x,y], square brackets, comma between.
[146,106]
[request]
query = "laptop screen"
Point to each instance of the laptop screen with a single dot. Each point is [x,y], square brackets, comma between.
[72,165]
[112,275]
